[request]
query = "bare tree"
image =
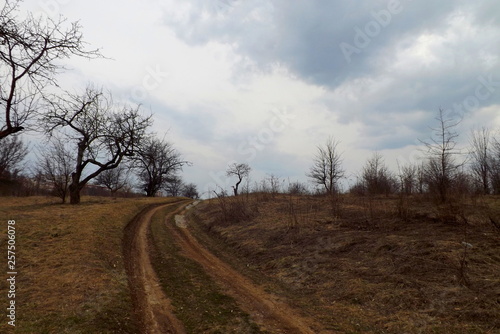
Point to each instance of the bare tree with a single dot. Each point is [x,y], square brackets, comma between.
[114,179]
[174,186]
[495,166]
[297,188]
[376,177]
[421,179]
[56,165]
[103,133]
[408,178]
[30,54]
[327,168]
[189,190]
[157,162]
[274,184]
[442,166]
[12,153]
[480,141]
[240,170]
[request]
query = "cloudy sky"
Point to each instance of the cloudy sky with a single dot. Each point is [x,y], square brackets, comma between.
[265,82]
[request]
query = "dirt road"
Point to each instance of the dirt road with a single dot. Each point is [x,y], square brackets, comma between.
[272,315]
[153,306]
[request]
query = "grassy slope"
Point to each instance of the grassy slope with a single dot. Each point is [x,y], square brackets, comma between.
[71,273]
[361,268]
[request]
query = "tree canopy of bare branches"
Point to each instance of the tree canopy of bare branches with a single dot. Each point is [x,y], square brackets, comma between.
[327,168]
[114,179]
[189,190]
[157,162]
[56,163]
[480,152]
[240,170]
[495,166]
[30,54]
[442,166]
[377,178]
[103,133]
[12,153]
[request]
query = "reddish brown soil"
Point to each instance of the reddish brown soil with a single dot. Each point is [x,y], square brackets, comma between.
[153,308]
[267,311]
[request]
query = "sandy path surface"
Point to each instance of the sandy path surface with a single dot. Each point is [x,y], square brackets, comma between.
[271,314]
[153,308]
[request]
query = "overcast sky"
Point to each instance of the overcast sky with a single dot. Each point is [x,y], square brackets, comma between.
[265,82]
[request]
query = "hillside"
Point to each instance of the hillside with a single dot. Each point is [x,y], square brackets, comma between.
[261,263]
[71,276]
[366,265]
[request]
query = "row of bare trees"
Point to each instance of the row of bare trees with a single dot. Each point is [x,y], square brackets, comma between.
[90,136]
[105,141]
[443,169]
[152,168]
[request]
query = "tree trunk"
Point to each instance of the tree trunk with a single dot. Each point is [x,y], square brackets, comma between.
[74,189]
[235,188]
[74,194]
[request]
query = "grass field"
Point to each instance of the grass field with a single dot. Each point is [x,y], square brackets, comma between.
[356,265]
[361,266]
[71,276]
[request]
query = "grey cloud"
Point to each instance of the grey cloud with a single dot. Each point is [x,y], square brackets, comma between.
[307,36]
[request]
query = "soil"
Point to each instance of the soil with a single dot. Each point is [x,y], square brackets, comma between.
[266,310]
[154,308]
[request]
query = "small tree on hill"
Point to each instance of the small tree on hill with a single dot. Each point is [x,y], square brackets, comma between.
[12,153]
[442,167]
[189,190]
[114,179]
[376,177]
[157,162]
[241,171]
[327,168]
[481,159]
[56,163]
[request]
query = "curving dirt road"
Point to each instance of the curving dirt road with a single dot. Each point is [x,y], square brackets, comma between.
[273,315]
[153,308]
[152,305]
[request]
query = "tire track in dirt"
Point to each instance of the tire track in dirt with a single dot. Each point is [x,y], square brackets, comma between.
[152,307]
[273,315]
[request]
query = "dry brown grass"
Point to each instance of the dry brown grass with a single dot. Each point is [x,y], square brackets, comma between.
[71,276]
[364,269]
